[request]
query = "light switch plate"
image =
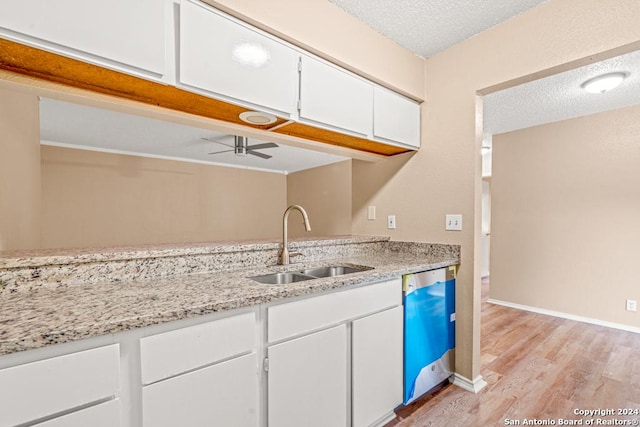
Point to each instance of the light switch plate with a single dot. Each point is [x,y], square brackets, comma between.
[453,222]
[371,213]
[391,222]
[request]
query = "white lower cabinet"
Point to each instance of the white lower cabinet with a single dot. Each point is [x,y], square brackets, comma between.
[376,366]
[336,359]
[225,394]
[201,375]
[103,415]
[333,360]
[57,385]
[307,380]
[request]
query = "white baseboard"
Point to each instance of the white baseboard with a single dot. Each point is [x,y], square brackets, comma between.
[566,316]
[464,383]
[385,419]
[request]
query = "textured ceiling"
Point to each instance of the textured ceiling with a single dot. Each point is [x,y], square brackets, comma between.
[427,27]
[560,97]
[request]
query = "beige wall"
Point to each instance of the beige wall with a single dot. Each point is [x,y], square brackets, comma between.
[445,176]
[565,229]
[325,194]
[19,171]
[100,199]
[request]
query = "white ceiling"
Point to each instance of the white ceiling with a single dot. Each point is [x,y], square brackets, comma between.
[78,126]
[560,97]
[427,27]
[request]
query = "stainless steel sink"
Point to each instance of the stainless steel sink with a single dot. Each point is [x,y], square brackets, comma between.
[334,270]
[312,273]
[281,278]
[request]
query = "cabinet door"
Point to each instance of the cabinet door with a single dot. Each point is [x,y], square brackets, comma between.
[129,33]
[104,415]
[221,56]
[333,97]
[225,394]
[308,380]
[47,387]
[377,366]
[395,118]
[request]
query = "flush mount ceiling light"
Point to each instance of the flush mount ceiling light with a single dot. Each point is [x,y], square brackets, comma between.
[257,118]
[251,54]
[604,83]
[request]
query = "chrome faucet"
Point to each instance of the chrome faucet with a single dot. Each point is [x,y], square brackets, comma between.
[284,256]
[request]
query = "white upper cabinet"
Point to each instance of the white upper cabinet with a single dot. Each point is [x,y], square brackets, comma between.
[333,97]
[396,119]
[126,35]
[220,56]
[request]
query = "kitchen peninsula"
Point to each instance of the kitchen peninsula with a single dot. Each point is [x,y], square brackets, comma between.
[190,309]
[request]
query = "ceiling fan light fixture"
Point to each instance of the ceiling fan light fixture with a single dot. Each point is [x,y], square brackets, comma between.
[257,118]
[240,145]
[604,83]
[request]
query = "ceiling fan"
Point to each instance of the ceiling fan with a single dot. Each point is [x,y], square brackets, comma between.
[241,147]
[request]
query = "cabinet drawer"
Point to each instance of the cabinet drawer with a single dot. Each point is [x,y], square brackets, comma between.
[295,318]
[171,353]
[39,389]
[104,415]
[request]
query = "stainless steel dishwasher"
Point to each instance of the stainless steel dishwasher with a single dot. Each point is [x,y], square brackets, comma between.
[429,329]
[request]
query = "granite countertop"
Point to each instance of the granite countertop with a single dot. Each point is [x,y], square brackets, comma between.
[42,257]
[51,315]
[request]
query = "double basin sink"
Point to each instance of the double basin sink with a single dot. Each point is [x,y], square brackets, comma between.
[309,274]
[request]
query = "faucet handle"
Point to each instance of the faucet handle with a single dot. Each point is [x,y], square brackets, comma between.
[292,254]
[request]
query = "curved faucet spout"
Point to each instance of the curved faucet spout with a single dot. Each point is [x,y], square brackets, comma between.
[284,256]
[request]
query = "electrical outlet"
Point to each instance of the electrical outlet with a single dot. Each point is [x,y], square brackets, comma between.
[391,222]
[453,222]
[632,305]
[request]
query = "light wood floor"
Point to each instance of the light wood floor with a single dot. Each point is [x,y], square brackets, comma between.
[538,367]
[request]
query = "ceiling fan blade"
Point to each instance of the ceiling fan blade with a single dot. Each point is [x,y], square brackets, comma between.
[223,151]
[259,154]
[262,146]
[217,142]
